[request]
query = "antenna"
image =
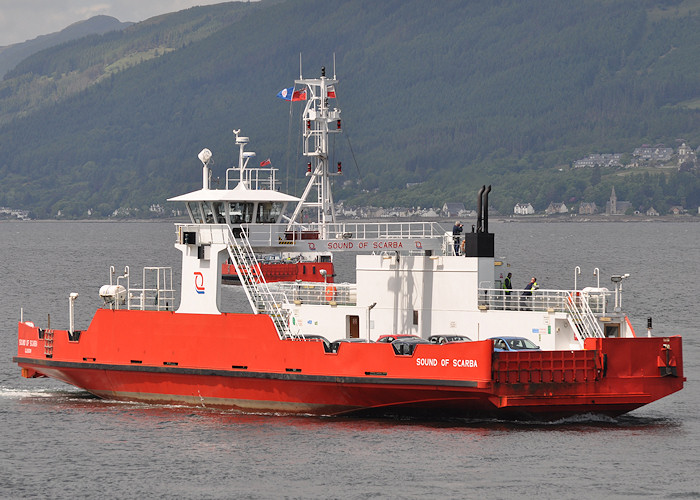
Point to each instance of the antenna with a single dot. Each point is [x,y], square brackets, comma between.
[316,131]
[333,65]
[300,77]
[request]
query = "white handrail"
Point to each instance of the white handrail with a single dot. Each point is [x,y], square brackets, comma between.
[259,295]
[543,300]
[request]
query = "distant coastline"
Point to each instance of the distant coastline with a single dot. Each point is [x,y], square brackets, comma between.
[598,218]
[443,220]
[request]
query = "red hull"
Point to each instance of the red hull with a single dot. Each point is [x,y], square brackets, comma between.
[160,357]
[281,271]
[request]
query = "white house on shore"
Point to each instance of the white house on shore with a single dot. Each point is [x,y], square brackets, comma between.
[523,209]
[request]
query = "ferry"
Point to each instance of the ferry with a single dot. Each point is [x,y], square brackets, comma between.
[320,347]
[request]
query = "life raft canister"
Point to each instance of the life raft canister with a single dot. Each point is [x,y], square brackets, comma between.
[330,292]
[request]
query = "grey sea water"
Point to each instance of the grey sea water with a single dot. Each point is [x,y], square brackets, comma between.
[60,442]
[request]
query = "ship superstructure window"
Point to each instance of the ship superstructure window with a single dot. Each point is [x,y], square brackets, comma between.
[219,212]
[240,212]
[195,212]
[208,214]
[269,212]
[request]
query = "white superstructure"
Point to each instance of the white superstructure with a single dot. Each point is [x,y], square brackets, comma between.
[408,278]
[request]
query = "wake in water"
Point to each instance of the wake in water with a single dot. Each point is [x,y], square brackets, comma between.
[44,393]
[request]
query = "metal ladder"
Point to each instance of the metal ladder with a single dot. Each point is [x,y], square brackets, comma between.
[48,343]
[259,295]
[581,317]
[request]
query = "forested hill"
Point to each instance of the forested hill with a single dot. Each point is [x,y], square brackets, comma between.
[442,96]
[11,55]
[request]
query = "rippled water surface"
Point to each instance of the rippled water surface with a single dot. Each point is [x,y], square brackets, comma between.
[59,442]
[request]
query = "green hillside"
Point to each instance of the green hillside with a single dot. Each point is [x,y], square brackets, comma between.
[11,55]
[445,97]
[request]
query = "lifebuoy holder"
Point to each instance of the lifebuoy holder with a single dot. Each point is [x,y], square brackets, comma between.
[330,293]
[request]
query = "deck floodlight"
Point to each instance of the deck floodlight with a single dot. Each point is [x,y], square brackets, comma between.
[204,156]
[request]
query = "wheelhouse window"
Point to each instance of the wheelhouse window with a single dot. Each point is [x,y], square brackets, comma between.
[195,212]
[240,212]
[208,214]
[219,212]
[269,212]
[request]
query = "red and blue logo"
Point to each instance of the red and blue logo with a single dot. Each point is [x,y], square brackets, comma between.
[199,282]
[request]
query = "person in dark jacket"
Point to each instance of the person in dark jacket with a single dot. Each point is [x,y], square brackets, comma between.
[456,231]
[508,284]
[508,289]
[527,294]
[531,286]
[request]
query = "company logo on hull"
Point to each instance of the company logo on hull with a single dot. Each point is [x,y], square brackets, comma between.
[199,282]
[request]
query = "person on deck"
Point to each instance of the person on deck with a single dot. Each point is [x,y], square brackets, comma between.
[456,231]
[508,284]
[508,289]
[527,294]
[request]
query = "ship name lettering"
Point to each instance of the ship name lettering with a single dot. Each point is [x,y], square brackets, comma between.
[426,362]
[387,244]
[340,246]
[464,363]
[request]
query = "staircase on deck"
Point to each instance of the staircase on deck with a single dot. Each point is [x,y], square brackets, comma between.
[581,317]
[261,299]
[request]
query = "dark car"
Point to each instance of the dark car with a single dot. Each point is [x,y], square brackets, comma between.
[336,345]
[501,344]
[391,337]
[405,344]
[448,339]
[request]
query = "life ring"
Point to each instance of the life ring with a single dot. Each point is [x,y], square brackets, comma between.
[330,293]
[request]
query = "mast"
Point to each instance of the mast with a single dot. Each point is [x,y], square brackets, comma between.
[318,122]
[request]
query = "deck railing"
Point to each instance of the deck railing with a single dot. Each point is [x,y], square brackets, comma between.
[342,294]
[272,234]
[157,293]
[542,300]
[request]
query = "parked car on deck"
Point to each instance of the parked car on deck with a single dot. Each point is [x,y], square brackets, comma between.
[391,337]
[406,344]
[448,339]
[501,344]
[336,345]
